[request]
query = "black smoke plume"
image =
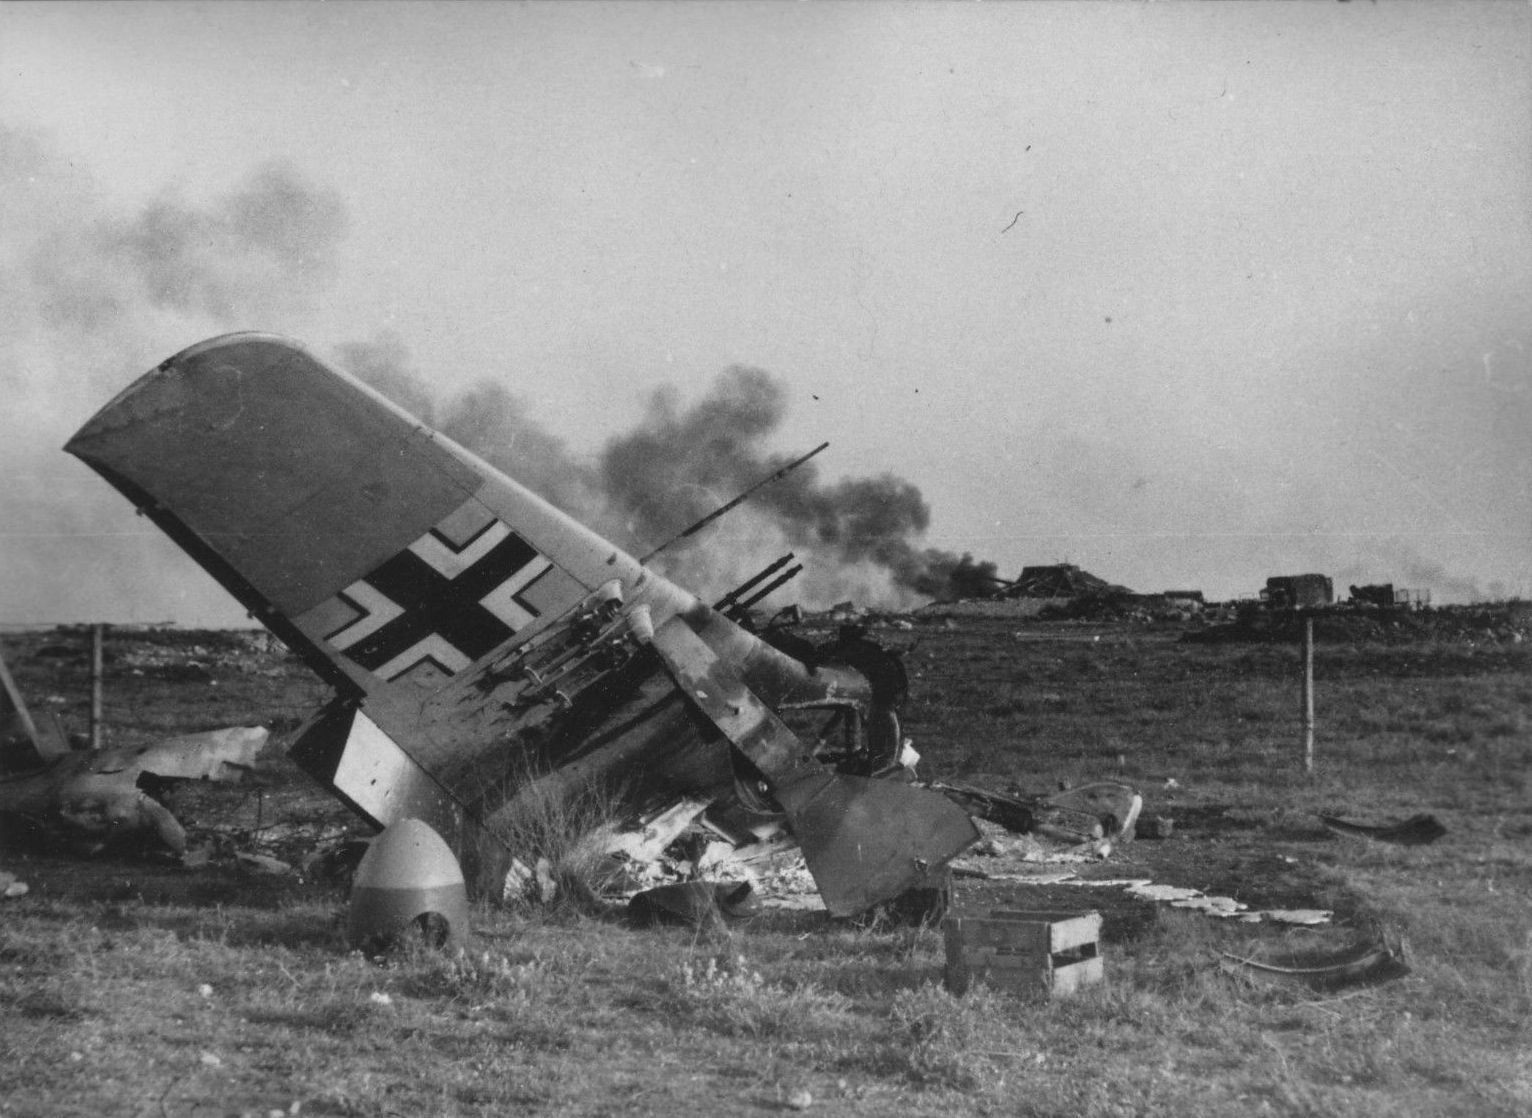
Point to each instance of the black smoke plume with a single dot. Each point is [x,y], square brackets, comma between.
[857,538]
[94,294]
[707,453]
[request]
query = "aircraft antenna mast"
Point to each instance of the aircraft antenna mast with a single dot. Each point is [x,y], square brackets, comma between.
[721,509]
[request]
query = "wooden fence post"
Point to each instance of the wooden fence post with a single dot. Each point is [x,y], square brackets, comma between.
[97,659]
[1308,694]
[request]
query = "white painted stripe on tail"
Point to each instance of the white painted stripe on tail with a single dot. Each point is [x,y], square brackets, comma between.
[435,647]
[379,611]
[442,558]
[501,601]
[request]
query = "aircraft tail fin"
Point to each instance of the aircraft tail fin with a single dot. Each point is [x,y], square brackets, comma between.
[385,554]
[865,840]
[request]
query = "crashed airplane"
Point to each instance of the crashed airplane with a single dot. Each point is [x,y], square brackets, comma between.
[489,654]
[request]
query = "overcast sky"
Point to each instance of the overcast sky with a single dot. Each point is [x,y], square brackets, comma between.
[1185,293]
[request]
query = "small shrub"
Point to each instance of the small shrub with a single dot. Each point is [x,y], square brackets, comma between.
[561,822]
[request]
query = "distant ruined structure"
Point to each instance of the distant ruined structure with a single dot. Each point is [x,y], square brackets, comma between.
[1061,580]
[1387,596]
[1060,590]
[1298,592]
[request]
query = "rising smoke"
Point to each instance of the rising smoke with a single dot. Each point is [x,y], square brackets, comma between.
[855,535]
[91,296]
[855,538]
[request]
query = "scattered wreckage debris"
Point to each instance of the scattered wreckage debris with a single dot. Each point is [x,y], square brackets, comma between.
[695,904]
[1176,896]
[1417,830]
[1011,849]
[324,852]
[1226,908]
[1102,812]
[681,850]
[263,863]
[97,797]
[998,861]
[334,860]
[1362,963]
[1081,824]
[535,884]
[489,653]
[408,884]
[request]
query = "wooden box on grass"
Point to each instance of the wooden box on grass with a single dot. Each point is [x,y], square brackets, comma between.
[1023,951]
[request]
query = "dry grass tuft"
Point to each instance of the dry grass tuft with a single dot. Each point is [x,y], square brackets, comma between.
[725,993]
[555,822]
[961,1044]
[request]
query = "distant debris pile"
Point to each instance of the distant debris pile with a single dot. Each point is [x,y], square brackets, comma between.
[1062,591]
[1067,592]
[1387,596]
[1298,592]
[1062,580]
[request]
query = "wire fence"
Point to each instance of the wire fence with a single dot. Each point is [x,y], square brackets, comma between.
[108,686]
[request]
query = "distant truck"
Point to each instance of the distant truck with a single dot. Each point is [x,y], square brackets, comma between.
[1298,592]
[1386,596]
[1380,594]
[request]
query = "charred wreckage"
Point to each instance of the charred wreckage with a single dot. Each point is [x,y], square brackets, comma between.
[490,655]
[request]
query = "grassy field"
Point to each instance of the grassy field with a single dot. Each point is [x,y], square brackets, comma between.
[132,986]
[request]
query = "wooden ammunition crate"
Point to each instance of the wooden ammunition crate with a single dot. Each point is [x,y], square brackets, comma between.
[1023,951]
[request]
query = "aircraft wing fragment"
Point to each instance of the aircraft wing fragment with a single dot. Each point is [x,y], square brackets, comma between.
[104,794]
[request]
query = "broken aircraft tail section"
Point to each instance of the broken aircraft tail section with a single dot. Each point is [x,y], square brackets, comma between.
[485,647]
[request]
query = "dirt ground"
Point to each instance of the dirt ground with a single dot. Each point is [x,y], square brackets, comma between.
[131,983]
[161,682]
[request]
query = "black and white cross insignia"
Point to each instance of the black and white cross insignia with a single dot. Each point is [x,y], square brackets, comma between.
[440,602]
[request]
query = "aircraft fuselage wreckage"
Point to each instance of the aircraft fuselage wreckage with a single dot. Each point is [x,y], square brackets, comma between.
[488,652]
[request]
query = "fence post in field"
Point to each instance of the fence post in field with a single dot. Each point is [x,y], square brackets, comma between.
[97,658]
[1308,694]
